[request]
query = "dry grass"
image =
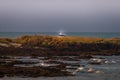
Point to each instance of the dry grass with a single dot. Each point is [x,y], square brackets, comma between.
[69,45]
[57,40]
[5,40]
[80,39]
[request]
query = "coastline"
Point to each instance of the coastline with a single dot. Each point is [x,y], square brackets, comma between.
[17,55]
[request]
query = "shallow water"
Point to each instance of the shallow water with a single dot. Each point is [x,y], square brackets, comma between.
[82,77]
[111,71]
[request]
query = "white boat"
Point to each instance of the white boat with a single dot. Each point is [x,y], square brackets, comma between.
[61,34]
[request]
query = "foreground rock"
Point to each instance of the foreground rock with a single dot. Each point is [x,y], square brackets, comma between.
[31,71]
[29,66]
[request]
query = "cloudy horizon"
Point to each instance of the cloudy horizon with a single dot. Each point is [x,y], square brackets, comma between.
[54,15]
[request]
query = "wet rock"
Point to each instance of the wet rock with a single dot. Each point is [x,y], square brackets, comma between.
[32,71]
[94,63]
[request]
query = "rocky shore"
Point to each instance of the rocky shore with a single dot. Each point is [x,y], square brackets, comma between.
[29,66]
[34,56]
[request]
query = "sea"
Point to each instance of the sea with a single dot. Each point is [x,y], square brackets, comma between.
[81,34]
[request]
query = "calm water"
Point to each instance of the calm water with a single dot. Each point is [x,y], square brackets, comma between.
[89,34]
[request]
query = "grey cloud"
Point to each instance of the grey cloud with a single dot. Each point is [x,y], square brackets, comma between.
[52,15]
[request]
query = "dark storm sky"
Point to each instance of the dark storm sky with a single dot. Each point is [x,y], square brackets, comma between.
[55,15]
